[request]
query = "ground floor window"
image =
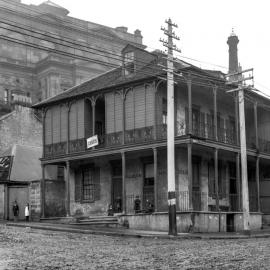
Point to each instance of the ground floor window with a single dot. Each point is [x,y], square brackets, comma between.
[87,184]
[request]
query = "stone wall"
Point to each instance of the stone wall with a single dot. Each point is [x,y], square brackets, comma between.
[20,127]
[55,198]
[35,199]
[98,207]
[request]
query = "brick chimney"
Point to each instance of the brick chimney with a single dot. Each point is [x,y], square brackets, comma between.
[233,57]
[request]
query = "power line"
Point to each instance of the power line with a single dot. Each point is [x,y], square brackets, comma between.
[97,31]
[63,24]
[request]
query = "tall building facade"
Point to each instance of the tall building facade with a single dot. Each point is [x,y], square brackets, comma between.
[44,51]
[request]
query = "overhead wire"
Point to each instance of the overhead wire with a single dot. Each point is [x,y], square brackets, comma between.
[97,31]
[87,59]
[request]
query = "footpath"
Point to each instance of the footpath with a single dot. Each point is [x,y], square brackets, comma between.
[124,232]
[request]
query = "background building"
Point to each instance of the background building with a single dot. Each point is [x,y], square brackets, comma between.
[43,51]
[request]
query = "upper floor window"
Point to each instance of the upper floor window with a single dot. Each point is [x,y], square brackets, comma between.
[129,66]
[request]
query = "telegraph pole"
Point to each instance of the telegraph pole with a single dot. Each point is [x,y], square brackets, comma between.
[244,176]
[170,126]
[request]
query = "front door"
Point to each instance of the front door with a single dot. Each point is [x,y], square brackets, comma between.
[148,187]
[117,194]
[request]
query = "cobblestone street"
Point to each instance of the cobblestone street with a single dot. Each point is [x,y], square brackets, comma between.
[25,248]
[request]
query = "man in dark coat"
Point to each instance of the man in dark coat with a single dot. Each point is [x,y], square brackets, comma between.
[15,209]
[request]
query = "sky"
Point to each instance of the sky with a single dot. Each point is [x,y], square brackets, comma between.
[203,28]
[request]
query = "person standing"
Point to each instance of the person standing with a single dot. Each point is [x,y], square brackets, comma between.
[16,210]
[26,212]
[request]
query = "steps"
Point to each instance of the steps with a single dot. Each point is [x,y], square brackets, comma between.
[108,221]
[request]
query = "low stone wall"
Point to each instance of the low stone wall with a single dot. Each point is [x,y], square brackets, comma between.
[266,219]
[190,221]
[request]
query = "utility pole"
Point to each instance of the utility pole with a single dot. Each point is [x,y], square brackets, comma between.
[170,126]
[241,101]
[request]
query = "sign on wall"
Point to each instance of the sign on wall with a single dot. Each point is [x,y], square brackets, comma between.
[92,141]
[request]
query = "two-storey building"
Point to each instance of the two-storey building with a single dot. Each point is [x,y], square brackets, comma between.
[126,110]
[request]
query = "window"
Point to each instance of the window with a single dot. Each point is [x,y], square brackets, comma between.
[88,187]
[60,173]
[129,66]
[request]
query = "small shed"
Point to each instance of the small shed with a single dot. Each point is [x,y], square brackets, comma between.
[19,166]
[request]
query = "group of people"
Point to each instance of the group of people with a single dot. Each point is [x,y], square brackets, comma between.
[148,207]
[16,211]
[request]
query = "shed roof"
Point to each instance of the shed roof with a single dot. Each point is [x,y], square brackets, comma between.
[26,164]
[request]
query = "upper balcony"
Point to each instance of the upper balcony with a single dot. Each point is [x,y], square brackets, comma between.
[139,116]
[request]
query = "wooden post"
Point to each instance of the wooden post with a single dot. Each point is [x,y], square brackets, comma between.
[216,180]
[258,183]
[215,113]
[68,188]
[155,113]
[68,131]
[123,117]
[155,178]
[189,84]
[238,183]
[123,182]
[190,177]
[43,132]
[42,193]
[256,125]
[93,103]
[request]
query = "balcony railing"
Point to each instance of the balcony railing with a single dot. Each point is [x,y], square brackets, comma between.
[201,201]
[150,133]
[56,149]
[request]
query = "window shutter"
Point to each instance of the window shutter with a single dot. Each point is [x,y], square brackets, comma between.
[210,126]
[48,127]
[139,95]
[202,124]
[80,119]
[56,124]
[97,183]
[186,119]
[73,122]
[64,113]
[109,99]
[129,111]
[78,185]
[118,109]
[149,103]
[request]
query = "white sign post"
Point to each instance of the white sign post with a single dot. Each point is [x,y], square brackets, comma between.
[92,141]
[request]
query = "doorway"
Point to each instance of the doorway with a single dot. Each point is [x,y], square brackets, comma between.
[117,194]
[116,169]
[21,195]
